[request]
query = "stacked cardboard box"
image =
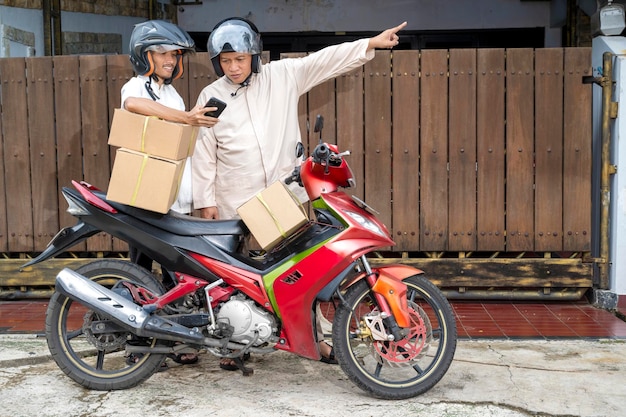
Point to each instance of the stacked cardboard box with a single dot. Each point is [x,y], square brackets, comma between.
[273,215]
[150,160]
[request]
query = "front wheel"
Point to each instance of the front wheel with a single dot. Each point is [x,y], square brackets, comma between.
[97,360]
[395,369]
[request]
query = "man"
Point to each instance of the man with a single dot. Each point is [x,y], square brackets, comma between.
[156,51]
[254,145]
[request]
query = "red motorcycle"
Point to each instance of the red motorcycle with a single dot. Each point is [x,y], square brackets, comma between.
[393,331]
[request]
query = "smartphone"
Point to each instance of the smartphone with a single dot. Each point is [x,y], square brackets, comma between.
[214,102]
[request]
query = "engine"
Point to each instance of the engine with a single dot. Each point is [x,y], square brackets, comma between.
[246,320]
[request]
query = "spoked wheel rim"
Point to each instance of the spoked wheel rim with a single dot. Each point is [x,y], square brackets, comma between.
[89,347]
[402,368]
[102,355]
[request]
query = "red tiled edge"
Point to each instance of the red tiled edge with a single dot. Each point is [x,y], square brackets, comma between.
[474,319]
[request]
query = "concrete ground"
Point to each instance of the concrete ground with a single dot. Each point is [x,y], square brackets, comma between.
[487,378]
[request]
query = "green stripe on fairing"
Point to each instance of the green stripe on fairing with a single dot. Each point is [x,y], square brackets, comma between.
[268,280]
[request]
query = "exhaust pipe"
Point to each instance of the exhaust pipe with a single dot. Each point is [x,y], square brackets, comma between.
[121,310]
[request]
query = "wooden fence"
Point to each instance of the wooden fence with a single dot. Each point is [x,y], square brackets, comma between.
[465,150]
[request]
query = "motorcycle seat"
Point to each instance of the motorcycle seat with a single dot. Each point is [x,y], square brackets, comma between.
[180,224]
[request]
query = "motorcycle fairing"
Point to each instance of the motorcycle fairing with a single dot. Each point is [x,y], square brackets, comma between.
[319,180]
[248,282]
[340,203]
[296,291]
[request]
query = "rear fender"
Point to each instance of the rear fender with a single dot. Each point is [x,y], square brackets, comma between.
[66,238]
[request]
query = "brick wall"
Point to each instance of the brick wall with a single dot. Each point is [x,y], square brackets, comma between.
[134,8]
[91,43]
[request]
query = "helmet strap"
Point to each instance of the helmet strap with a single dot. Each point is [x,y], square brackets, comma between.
[245,83]
[150,90]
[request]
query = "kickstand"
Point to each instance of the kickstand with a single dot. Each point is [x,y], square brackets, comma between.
[242,367]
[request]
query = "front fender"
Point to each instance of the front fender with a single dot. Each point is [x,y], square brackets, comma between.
[389,285]
[399,272]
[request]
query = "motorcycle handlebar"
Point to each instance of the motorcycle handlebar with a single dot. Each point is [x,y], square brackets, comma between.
[321,153]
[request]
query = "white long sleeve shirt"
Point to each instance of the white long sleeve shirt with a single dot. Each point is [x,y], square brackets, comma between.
[254,144]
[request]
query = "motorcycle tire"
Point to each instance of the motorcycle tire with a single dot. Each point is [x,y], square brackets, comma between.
[99,362]
[397,369]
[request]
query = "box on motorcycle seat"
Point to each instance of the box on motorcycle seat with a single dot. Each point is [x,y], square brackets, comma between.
[152,135]
[145,181]
[273,215]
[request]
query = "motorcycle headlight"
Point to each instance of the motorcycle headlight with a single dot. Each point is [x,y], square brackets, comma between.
[366,223]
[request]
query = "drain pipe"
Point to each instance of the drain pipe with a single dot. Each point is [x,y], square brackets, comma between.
[609,111]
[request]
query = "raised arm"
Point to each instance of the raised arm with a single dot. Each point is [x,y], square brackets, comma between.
[386,39]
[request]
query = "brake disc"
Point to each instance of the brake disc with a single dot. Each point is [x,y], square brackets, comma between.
[411,348]
[107,341]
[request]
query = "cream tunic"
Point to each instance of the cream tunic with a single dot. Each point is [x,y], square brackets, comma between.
[254,144]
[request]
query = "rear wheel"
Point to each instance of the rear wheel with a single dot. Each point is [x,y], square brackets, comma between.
[98,360]
[395,369]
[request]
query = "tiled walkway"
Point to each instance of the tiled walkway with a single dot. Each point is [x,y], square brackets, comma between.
[534,320]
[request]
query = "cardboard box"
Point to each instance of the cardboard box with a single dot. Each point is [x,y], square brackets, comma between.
[272,215]
[145,181]
[152,135]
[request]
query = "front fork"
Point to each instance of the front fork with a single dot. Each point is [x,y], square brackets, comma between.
[390,295]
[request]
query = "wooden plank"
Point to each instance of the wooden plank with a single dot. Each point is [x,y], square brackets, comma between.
[200,74]
[577,153]
[16,155]
[321,101]
[501,273]
[119,71]
[12,275]
[350,122]
[182,85]
[405,144]
[95,121]
[306,127]
[378,134]
[519,150]
[42,151]
[462,151]
[68,129]
[444,272]
[490,154]
[549,149]
[434,151]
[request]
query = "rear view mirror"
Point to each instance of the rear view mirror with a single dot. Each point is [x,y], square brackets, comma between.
[299,149]
[319,123]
